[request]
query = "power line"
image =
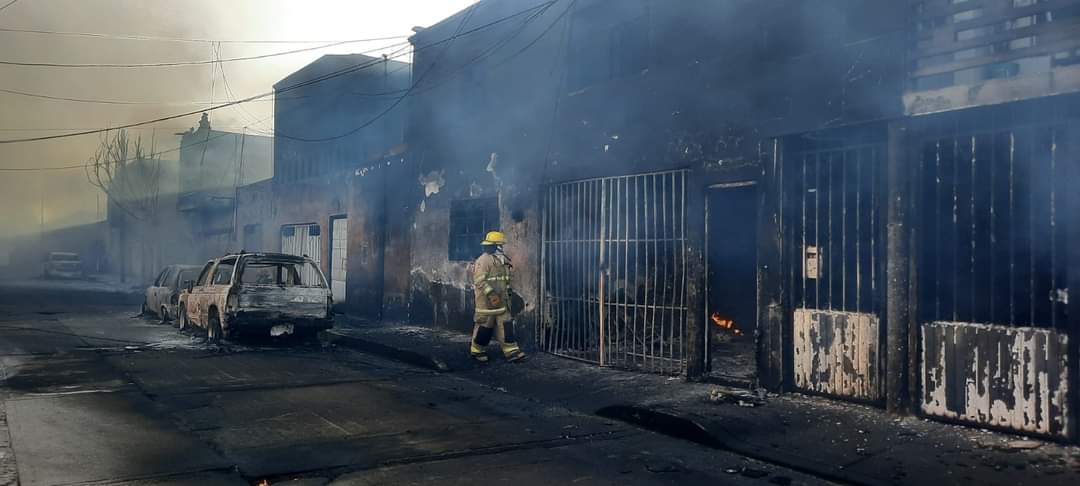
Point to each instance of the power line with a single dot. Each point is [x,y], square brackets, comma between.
[457,34]
[496,47]
[152,121]
[12,2]
[229,95]
[335,74]
[479,57]
[181,39]
[165,103]
[101,101]
[41,169]
[60,129]
[151,155]
[412,89]
[176,63]
[464,20]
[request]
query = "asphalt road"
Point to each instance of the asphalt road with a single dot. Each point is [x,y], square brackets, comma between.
[94,394]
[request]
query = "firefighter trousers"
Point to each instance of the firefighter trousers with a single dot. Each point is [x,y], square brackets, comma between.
[498,327]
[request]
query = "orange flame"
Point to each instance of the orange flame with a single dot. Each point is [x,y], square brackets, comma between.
[725,323]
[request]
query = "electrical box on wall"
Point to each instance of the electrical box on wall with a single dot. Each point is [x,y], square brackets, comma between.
[811,262]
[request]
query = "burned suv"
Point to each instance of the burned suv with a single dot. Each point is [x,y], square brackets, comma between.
[257,293]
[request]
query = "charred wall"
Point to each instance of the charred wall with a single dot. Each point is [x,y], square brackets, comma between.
[618,88]
[478,129]
[337,147]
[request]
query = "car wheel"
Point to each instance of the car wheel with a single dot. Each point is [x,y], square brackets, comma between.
[164,315]
[181,320]
[213,328]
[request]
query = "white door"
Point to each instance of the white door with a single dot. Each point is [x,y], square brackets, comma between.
[303,239]
[339,229]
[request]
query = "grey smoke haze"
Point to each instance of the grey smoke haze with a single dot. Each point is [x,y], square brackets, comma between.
[68,199]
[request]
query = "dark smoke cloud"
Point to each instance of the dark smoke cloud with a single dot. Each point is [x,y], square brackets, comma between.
[69,199]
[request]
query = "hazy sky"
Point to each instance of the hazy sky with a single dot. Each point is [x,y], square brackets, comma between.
[68,198]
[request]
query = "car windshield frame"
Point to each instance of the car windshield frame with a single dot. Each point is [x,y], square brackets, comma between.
[242,276]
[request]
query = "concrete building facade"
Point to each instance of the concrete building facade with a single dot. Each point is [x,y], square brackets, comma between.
[858,199]
[335,120]
[800,200]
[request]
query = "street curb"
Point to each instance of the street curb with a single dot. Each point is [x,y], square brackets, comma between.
[676,426]
[9,473]
[389,352]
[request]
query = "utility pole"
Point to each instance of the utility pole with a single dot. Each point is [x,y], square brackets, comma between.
[41,205]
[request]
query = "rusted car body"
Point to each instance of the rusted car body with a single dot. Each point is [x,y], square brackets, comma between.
[257,293]
[163,294]
[61,264]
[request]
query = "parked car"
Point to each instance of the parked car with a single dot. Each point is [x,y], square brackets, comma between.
[257,293]
[61,264]
[163,295]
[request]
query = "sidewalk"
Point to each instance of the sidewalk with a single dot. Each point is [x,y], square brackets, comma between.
[9,474]
[840,441]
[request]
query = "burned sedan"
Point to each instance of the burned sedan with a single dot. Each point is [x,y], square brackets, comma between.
[163,294]
[257,293]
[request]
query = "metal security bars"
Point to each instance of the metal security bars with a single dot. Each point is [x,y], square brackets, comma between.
[833,189]
[614,271]
[834,250]
[993,240]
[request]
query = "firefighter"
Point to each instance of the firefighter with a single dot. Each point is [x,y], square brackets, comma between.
[491,279]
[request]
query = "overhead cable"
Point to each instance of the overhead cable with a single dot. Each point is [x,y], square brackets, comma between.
[191,40]
[319,79]
[172,63]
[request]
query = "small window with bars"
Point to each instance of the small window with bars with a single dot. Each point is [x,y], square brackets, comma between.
[470,220]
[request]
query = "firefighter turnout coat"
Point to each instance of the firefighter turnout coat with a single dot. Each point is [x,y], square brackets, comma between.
[491,277]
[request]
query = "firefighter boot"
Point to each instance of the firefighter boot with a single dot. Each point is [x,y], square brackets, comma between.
[476,348]
[509,344]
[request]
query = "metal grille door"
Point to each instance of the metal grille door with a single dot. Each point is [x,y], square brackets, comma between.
[614,271]
[996,238]
[832,195]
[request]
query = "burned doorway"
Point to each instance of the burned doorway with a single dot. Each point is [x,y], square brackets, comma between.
[339,247]
[731,259]
[303,240]
[614,271]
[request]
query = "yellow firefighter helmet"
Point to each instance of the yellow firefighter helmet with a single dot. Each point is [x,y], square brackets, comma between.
[494,238]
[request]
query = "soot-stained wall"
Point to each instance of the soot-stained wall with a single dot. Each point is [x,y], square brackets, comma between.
[573,90]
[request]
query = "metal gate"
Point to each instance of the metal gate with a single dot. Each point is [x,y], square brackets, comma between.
[834,254]
[995,198]
[303,239]
[614,271]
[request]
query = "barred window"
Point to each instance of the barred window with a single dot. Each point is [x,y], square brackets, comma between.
[470,220]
